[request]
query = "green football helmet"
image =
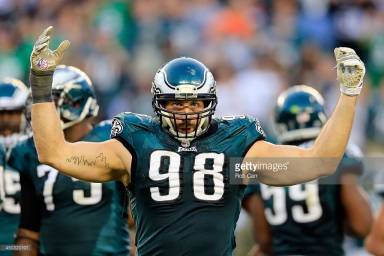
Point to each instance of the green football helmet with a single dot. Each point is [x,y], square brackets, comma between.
[74,95]
[184,79]
[13,97]
[299,114]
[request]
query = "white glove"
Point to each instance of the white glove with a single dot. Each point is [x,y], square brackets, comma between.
[44,59]
[350,71]
[43,64]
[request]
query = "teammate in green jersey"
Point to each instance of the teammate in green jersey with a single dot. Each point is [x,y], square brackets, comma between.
[177,165]
[68,216]
[309,218]
[13,96]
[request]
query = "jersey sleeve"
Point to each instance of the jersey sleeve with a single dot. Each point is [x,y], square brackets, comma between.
[253,132]
[351,163]
[100,132]
[18,157]
[251,189]
[125,127]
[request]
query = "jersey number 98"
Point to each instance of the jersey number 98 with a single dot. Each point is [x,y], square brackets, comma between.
[199,175]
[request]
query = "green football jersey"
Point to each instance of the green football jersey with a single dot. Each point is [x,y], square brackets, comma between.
[181,199]
[9,202]
[307,219]
[77,218]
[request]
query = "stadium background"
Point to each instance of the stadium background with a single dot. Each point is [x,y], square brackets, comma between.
[255,48]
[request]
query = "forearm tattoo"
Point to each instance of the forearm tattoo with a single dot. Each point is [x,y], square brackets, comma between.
[81,160]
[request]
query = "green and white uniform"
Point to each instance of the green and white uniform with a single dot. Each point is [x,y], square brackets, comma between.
[181,198]
[307,219]
[9,202]
[73,217]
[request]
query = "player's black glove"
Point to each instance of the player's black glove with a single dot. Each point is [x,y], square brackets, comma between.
[43,64]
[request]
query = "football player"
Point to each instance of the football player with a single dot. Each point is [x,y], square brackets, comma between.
[308,219]
[13,96]
[177,165]
[63,215]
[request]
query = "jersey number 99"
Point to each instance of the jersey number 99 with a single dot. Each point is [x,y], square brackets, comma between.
[308,193]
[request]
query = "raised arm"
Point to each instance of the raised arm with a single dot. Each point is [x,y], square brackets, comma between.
[323,157]
[88,161]
[95,162]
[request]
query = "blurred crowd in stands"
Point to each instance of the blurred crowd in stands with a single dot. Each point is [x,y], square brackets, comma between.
[255,48]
